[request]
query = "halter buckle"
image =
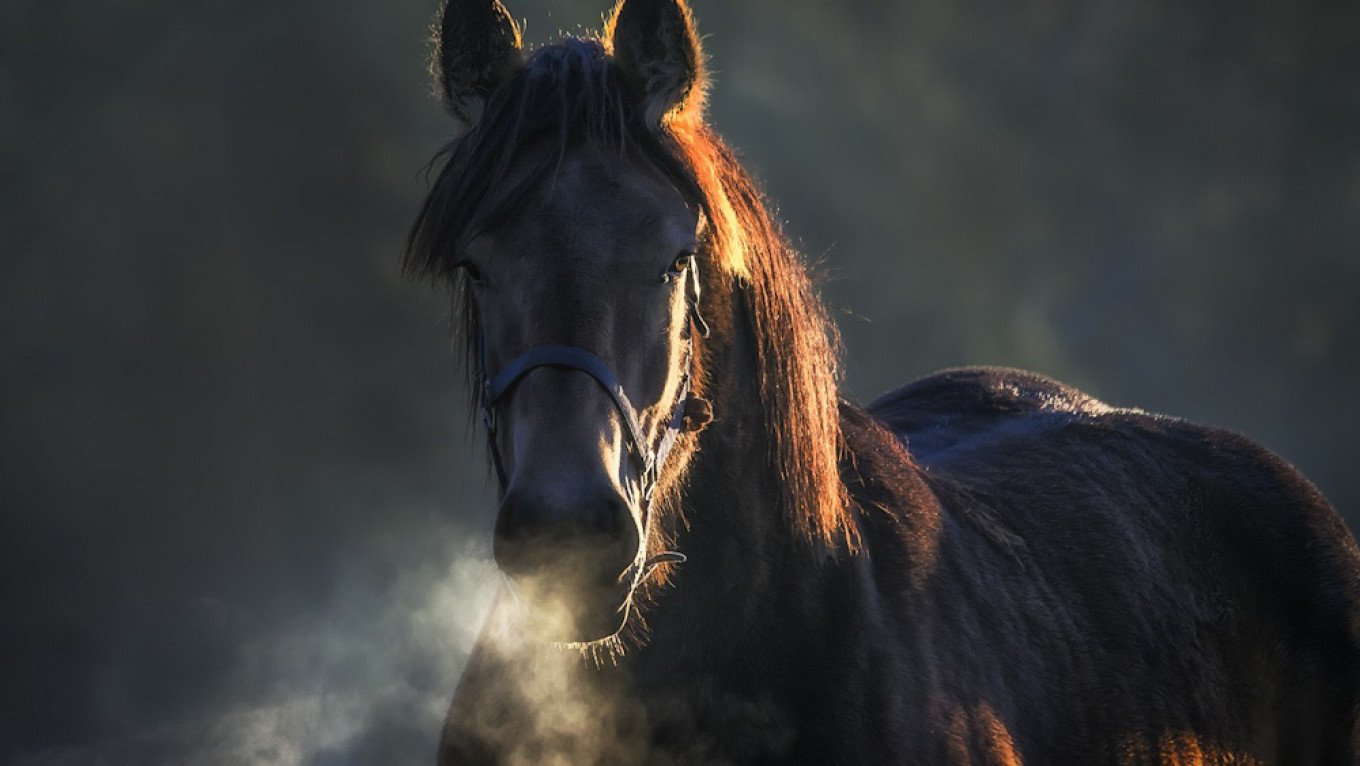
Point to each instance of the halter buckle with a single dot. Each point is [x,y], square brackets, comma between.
[649,479]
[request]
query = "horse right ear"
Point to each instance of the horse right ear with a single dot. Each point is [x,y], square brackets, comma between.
[477,47]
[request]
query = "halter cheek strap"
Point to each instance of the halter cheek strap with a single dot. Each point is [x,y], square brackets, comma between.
[648,461]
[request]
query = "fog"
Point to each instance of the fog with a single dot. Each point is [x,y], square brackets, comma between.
[244,516]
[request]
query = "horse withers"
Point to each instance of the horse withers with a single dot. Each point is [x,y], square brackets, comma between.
[712,558]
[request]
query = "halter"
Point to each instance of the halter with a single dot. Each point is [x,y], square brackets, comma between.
[648,461]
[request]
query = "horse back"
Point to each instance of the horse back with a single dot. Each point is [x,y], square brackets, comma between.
[955,408]
[1171,579]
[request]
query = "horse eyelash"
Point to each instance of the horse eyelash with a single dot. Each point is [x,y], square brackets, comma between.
[469,268]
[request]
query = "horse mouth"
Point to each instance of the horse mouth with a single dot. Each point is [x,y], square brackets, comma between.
[569,608]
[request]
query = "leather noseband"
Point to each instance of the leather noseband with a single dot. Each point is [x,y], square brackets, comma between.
[649,461]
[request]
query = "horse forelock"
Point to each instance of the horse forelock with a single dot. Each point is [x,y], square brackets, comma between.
[570,93]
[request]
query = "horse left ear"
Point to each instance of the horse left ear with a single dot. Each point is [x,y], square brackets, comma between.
[657,49]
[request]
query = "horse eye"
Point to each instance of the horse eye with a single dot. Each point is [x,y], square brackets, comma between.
[469,268]
[678,266]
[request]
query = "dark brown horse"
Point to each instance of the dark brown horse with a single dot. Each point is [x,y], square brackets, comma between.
[710,557]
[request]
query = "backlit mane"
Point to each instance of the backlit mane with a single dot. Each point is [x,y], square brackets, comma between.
[570,93]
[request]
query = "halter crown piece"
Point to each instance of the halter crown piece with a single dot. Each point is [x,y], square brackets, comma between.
[649,461]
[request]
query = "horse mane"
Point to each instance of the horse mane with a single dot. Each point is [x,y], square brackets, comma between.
[571,92]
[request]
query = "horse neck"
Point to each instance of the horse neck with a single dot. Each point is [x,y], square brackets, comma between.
[740,546]
[731,501]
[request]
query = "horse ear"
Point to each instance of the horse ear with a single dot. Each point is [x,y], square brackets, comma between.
[657,49]
[477,47]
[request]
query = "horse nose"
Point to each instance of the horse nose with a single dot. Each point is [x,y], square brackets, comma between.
[540,529]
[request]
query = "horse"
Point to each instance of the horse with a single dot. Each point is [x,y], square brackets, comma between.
[710,556]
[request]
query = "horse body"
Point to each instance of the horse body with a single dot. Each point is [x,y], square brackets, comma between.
[1056,581]
[984,566]
[1127,587]
[1051,581]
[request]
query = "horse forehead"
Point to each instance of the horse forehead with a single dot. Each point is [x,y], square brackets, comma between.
[605,205]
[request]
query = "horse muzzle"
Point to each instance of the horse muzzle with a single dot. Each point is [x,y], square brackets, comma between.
[571,557]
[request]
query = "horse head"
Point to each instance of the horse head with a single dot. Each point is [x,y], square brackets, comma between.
[574,240]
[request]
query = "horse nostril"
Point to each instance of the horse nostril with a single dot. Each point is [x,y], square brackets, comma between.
[540,530]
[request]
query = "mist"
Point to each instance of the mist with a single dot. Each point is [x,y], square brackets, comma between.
[245,515]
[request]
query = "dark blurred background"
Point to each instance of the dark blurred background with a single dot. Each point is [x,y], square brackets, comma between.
[244,519]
